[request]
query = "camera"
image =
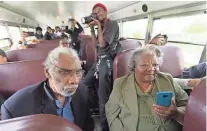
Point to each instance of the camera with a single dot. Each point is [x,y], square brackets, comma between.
[87,19]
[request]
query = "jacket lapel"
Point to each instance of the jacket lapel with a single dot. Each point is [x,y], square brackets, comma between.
[48,102]
[130,97]
[77,109]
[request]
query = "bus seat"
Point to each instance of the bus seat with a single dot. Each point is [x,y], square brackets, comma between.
[39,122]
[121,63]
[27,54]
[130,44]
[45,44]
[17,75]
[90,53]
[173,61]
[84,41]
[195,114]
[173,64]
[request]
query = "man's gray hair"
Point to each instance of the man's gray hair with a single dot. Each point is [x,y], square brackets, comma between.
[52,57]
[150,49]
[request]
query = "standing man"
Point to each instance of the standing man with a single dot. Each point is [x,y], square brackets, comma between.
[74,33]
[108,46]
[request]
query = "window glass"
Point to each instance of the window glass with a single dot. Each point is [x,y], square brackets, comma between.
[3,32]
[191,53]
[31,30]
[191,29]
[24,29]
[135,29]
[4,44]
[15,34]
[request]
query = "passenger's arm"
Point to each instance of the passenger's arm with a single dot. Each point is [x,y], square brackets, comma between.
[93,33]
[113,109]
[183,83]
[187,83]
[80,29]
[5,114]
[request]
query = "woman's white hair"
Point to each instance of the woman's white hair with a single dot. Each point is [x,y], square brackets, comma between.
[53,55]
[150,49]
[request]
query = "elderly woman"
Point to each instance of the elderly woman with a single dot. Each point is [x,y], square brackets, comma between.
[131,106]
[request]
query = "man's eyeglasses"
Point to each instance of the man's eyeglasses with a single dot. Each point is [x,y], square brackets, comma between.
[64,72]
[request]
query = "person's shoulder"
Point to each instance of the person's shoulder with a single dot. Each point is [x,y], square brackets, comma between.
[113,22]
[24,95]
[164,75]
[120,82]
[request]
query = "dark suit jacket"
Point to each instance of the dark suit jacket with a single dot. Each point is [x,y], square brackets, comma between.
[38,99]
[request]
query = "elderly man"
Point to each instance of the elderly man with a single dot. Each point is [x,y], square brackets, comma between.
[58,94]
[3,58]
[131,105]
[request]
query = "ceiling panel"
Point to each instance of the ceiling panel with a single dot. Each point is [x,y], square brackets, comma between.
[53,12]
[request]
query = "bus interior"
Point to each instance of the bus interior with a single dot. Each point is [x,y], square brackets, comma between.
[184,23]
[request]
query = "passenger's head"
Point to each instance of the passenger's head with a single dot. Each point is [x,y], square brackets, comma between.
[159,40]
[63,69]
[64,42]
[49,29]
[24,34]
[57,29]
[145,63]
[66,28]
[3,58]
[39,30]
[101,11]
[72,22]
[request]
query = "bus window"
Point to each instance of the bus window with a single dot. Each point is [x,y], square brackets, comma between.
[24,29]
[15,34]
[4,43]
[135,29]
[182,31]
[31,30]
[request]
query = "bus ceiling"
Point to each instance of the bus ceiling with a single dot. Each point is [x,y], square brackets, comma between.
[45,13]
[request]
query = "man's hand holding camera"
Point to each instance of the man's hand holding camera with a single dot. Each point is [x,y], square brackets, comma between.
[94,22]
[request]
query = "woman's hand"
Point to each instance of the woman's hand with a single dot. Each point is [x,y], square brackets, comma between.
[167,112]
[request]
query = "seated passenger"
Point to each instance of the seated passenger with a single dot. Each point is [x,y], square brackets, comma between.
[38,33]
[3,58]
[187,83]
[64,42]
[22,45]
[58,94]
[57,31]
[48,35]
[159,40]
[131,105]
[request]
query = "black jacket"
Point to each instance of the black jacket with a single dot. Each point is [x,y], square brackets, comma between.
[75,33]
[38,99]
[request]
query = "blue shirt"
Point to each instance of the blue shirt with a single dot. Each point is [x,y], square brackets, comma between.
[65,111]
